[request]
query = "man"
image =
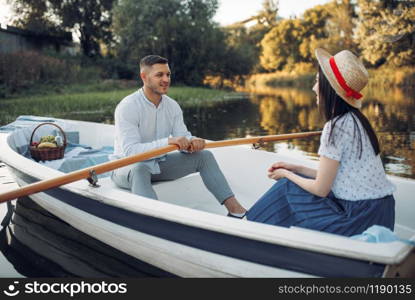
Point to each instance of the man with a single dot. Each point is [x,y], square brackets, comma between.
[149,119]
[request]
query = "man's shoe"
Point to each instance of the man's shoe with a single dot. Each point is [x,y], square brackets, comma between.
[237,217]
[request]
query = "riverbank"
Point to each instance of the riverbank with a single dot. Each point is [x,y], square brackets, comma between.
[82,100]
[383,78]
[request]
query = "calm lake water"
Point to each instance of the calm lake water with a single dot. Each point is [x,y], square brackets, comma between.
[281,110]
[286,110]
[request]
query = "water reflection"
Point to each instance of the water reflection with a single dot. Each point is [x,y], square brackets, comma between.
[285,110]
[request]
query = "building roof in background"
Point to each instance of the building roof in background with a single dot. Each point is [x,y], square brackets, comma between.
[66,37]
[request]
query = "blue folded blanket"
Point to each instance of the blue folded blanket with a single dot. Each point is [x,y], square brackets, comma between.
[380,234]
[79,157]
[76,156]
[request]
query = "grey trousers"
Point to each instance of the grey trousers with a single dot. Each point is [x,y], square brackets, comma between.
[138,177]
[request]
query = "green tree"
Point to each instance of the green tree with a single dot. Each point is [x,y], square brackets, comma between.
[35,19]
[268,15]
[313,31]
[91,19]
[239,56]
[330,26]
[181,30]
[341,24]
[293,41]
[280,46]
[386,31]
[265,19]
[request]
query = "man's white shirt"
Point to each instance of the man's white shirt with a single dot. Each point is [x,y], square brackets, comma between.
[140,126]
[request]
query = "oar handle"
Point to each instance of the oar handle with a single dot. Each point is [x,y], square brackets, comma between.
[122,162]
[82,174]
[258,139]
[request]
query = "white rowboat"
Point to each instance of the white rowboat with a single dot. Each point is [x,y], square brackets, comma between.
[187,234]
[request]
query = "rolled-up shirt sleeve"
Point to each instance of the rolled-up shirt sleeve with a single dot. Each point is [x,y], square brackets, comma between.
[179,128]
[127,130]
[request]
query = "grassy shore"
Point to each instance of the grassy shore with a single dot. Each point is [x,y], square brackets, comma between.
[85,102]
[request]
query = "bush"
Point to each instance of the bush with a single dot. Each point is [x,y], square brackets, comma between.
[21,70]
[114,68]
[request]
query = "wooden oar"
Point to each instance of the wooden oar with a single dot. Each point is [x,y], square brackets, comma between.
[122,162]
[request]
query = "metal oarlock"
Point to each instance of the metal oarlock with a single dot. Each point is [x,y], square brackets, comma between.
[258,144]
[93,179]
[7,218]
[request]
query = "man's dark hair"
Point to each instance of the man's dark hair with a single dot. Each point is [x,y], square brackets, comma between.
[150,60]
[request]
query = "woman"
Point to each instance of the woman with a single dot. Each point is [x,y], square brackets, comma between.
[349,191]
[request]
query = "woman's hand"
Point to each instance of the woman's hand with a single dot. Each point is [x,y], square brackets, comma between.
[283,165]
[278,173]
[319,182]
[280,169]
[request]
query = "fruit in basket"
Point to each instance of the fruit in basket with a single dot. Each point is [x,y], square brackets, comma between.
[46,145]
[34,144]
[47,138]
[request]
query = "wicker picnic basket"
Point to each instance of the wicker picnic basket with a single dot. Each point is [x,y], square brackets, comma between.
[47,153]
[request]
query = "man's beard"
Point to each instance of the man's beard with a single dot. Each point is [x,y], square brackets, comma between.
[155,89]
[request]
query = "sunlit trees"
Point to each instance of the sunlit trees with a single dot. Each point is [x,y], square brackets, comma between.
[291,42]
[386,32]
[314,31]
[280,45]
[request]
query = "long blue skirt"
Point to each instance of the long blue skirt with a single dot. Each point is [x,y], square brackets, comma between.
[286,204]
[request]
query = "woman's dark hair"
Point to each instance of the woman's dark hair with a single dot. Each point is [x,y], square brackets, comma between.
[332,106]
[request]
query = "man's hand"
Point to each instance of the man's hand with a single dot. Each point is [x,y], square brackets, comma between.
[180,141]
[197,144]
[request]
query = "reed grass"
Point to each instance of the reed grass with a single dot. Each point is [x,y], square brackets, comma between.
[380,78]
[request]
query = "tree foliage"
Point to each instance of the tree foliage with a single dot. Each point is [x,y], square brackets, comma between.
[280,45]
[313,30]
[386,32]
[91,19]
[240,55]
[382,32]
[250,37]
[268,15]
[292,41]
[182,31]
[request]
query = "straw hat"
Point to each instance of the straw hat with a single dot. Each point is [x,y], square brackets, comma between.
[346,74]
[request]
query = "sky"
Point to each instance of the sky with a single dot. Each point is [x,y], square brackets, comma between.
[5,12]
[230,11]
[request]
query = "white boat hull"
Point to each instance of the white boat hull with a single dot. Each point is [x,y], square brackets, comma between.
[186,234]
